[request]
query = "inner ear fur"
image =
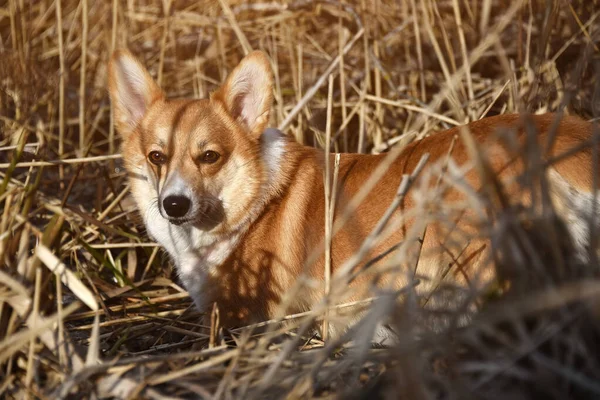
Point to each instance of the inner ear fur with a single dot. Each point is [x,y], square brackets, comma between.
[247,93]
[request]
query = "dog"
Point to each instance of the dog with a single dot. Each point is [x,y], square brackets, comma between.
[241,208]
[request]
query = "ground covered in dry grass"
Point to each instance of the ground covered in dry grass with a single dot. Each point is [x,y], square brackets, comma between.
[89,306]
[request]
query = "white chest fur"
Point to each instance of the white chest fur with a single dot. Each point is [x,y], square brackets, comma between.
[196,253]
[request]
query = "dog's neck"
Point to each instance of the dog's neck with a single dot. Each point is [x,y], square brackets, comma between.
[280,158]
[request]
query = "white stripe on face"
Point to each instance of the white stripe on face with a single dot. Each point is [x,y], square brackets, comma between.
[175,185]
[163,134]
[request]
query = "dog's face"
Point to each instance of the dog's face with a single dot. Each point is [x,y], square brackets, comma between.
[194,162]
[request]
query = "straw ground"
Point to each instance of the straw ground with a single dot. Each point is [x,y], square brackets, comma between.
[89,306]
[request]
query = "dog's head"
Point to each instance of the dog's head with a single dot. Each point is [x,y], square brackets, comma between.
[199,162]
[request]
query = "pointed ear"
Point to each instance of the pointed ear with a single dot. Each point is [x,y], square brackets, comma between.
[132,90]
[248,92]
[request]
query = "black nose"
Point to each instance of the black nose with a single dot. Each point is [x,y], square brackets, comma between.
[176,206]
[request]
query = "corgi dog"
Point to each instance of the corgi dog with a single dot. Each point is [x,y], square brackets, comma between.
[241,208]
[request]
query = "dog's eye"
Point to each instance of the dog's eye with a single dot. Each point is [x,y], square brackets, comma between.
[209,157]
[157,158]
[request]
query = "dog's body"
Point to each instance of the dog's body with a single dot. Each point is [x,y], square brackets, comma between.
[241,210]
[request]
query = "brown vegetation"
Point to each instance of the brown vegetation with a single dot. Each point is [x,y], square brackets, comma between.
[88,304]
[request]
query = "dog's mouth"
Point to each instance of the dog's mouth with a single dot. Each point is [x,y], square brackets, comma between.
[186,220]
[179,221]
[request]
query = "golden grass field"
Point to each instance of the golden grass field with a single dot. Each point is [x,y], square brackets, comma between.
[90,306]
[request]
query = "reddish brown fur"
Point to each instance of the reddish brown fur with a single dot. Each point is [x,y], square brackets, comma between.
[270,262]
[273,251]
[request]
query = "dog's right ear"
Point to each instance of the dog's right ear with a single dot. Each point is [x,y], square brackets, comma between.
[132,90]
[247,94]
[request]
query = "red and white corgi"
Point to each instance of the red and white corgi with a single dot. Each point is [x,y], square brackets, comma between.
[240,208]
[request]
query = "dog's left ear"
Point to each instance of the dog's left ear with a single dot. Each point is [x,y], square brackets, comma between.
[248,92]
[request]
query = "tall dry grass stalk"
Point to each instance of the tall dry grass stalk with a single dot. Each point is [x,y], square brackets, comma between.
[89,306]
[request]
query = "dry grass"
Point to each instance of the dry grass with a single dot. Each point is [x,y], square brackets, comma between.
[89,307]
